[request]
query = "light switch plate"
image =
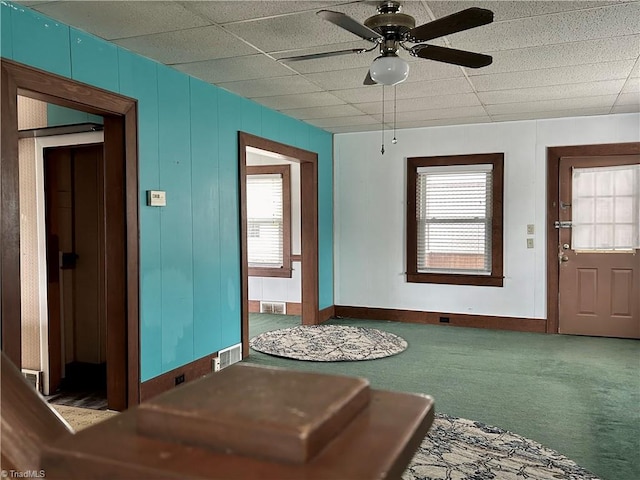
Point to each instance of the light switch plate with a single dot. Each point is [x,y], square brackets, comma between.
[530,229]
[529,242]
[156,198]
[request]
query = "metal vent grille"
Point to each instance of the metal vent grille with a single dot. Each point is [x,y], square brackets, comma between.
[228,356]
[279,308]
[34,377]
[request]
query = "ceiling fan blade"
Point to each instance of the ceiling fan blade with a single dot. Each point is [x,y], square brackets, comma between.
[451,55]
[349,24]
[368,80]
[456,22]
[314,56]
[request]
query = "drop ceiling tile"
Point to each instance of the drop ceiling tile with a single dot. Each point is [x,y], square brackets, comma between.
[509,10]
[270,87]
[424,103]
[632,85]
[297,30]
[574,112]
[248,67]
[373,93]
[115,19]
[605,101]
[604,22]
[353,129]
[560,55]
[628,99]
[184,46]
[233,11]
[574,90]
[458,112]
[343,121]
[626,109]
[553,76]
[305,100]
[439,123]
[323,112]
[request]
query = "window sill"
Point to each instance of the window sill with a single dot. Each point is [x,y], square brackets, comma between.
[270,272]
[455,279]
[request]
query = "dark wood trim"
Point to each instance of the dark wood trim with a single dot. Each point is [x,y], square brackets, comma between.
[191,371]
[554,154]
[121,206]
[296,258]
[537,325]
[327,313]
[293,308]
[285,172]
[496,279]
[309,226]
[10,220]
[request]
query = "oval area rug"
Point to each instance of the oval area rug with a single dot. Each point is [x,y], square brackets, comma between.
[328,343]
[461,449]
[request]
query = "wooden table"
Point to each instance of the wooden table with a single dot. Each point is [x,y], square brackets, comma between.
[249,422]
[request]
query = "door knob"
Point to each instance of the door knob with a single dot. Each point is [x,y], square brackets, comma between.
[564,258]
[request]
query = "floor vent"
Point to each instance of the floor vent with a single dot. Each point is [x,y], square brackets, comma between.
[273,307]
[34,377]
[227,357]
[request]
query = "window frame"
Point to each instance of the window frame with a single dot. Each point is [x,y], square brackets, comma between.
[495,279]
[285,170]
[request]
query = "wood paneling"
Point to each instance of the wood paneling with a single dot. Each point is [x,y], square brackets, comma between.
[434,318]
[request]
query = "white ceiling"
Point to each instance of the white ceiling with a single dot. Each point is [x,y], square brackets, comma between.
[550,58]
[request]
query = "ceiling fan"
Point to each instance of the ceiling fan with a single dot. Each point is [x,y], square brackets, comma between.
[390,30]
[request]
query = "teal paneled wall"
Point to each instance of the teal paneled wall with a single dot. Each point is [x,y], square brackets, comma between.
[188,146]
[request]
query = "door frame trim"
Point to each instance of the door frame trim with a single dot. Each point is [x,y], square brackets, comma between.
[308,225]
[121,162]
[554,154]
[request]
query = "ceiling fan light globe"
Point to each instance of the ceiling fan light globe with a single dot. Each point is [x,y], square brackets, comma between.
[389,70]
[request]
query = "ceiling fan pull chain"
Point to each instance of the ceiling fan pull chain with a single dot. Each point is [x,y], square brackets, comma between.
[382,149]
[394,140]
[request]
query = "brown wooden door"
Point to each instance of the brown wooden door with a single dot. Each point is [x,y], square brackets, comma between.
[599,262]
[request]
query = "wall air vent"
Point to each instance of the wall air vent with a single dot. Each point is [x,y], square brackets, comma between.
[227,357]
[34,377]
[279,308]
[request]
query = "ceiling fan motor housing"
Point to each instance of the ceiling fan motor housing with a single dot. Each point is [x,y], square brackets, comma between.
[391,25]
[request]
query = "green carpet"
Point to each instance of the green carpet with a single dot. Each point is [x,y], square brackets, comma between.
[577,395]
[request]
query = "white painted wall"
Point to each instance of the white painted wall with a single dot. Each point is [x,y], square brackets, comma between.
[275,289]
[370,191]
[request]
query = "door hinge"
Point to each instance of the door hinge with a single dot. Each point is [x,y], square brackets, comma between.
[563,224]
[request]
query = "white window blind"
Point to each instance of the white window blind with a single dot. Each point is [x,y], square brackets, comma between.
[265,223]
[606,208]
[454,218]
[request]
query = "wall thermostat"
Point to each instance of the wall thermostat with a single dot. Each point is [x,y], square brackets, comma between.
[156,198]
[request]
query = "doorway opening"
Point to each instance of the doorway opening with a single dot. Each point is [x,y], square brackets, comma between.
[251,149]
[118,291]
[593,248]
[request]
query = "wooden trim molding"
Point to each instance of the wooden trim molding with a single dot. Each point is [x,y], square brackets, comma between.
[537,325]
[309,227]
[327,313]
[121,215]
[496,278]
[285,172]
[166,381]
[554,154]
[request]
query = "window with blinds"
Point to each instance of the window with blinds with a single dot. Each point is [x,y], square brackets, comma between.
[265,220]
[454,218]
